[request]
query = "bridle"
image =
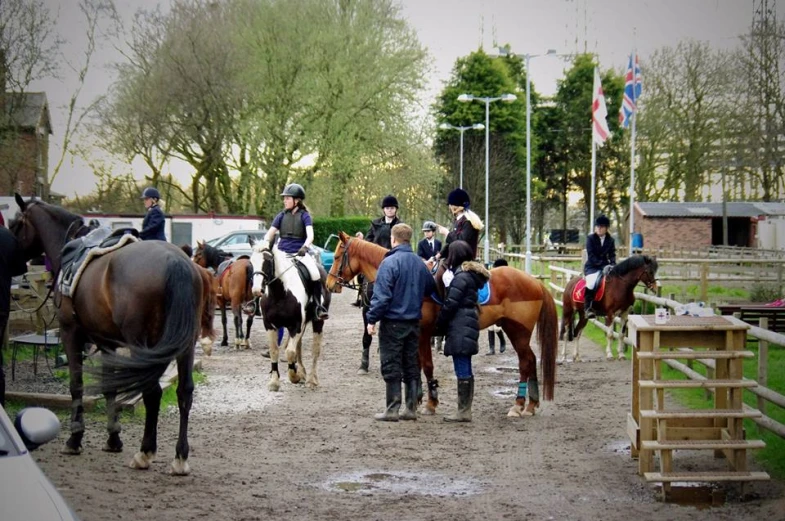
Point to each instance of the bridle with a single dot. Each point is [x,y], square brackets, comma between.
[651,282]
[348,284]
[265,282]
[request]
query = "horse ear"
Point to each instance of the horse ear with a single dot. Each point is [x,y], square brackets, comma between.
[200,244]
[21,202]
[251,240]
[343,237]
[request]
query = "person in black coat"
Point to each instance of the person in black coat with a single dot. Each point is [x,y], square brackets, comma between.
[466,227]
[154,221]
[429,246]
[600,253]
[12,264]
[460,319]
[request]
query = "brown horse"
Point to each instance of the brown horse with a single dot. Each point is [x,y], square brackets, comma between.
[232,287]
[209,299]
[617,299]
[148,297]
[518,303]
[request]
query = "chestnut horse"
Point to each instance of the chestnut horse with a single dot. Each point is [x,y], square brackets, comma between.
[232,287]
[148,297]
[518,302]
[617,299]
[209,299]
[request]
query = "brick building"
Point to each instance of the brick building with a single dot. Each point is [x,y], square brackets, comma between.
[25,127]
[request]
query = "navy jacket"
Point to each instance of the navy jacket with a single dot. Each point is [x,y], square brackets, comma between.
[12,264]
[599,255]
[402,283]
[153,225]
[425,251]
[380,232]
[462,230]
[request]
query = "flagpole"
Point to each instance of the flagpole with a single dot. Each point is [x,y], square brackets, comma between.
[593,179]
[632,151]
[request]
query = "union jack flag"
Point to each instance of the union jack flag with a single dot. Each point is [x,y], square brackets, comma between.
[632,91]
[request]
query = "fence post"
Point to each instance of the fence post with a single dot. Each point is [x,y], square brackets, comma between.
[779,278]
[704,282]
[554,279]
[763,364]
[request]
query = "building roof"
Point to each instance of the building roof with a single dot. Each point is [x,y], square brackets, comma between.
[28,110]
[735,209]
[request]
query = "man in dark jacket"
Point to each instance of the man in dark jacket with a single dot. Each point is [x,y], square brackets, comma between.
[600,252]
[12,264]
[154,220]
[402,283]
[429,246]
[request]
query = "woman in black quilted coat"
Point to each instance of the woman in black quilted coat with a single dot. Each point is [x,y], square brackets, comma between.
[459,318]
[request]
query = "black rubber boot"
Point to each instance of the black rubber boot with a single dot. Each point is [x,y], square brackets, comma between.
[502,342]
[410,411]
[465,398]
[491,343]
[390,414]
[321,311]
[365,359]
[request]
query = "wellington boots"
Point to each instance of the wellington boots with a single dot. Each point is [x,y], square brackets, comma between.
[410,411]
[390,414]
[465,398]
[502,342]
[491,343]
[365,360]
[318,298]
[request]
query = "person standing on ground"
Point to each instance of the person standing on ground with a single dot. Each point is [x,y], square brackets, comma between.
[402,283]
[12,264]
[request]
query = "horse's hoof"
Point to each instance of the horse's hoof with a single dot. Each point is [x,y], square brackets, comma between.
[529,410]
[224,343]
[71,451]
[622,358]
[113,445]
[207,346]
[180,467]
[609,358]
[560,361]
[274,386]
[142,460]
[312,384]
[516,411]
[427,411]
[266,353]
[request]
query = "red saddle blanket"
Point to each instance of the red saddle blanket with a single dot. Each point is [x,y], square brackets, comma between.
[580,289]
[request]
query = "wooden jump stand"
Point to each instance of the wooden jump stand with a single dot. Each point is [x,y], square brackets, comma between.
[654,428]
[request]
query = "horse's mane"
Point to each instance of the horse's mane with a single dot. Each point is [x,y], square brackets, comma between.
[61,215]
[367,251]
[213,255]
[633,263]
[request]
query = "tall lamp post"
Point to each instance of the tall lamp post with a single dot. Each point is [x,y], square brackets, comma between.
[466,98]
[476,126]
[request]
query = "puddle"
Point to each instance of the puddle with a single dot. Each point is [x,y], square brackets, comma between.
[402,483]
[618,447]
[501,370]
[505,393]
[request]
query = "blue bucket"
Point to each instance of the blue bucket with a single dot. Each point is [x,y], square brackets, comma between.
[637,241]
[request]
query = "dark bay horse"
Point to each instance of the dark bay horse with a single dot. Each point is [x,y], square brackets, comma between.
[518,303]
[232,287]
[148,297]
[285,303]
[617,299]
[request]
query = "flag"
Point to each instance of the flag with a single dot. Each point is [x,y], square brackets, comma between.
[632,91]
[599,112]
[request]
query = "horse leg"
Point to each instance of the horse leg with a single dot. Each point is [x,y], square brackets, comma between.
[113,443]
[313,379]
[566,327]
[610,324]
[582,321]
[238,325]
[272,340]
[248,324]
[528,385]
[291,356]
[152,404]
[621,346]
[74,342]
[301,373]
[426,364]
[185,396]
[225,339]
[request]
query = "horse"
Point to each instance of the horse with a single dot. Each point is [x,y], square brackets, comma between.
[233,287]
[284,302]
[518,302]
[209,299]
[617,298]
[146,296]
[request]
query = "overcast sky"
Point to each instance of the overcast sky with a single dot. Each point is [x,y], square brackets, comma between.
[450,29]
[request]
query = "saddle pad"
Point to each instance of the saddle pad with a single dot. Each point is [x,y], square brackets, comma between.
[483,295]
[580,288]
[68,285]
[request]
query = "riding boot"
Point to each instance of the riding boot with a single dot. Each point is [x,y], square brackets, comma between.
[502,342]
[390,414]
[365,359]
[465,398]
[318,296]
[588,302]
[491,343]
[410,411]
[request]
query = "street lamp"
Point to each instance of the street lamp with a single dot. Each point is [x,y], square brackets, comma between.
[476,126]
[505,52]
[466,98]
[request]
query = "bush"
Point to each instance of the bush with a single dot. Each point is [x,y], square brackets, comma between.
[764,293]
[323,227]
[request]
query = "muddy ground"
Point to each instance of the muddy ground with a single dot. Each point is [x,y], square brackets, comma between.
[303,454]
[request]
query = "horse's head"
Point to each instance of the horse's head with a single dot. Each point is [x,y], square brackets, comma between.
[649,274]
[345,269]
[263,265]
[199,255]
[43,228]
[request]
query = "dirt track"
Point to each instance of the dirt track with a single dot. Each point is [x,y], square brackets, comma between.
[301,454]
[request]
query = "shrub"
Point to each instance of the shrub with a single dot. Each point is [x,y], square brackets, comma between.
[764,293]
[323,227]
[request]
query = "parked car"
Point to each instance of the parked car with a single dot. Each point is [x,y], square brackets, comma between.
[27,494]
[327,254]
[236,242]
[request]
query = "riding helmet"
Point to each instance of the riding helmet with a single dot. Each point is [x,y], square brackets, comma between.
[294,190]
[602,221]
[458,197]
[150,192]
[389,200]
[429,226]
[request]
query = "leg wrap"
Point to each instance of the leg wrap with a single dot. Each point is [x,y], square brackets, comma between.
[522,388]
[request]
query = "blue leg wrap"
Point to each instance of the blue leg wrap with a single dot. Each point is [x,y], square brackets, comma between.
[522,388]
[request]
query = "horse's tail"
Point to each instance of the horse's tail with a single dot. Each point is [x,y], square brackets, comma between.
[181,327]
[547,335]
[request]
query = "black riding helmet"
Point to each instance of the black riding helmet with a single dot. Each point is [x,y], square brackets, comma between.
[294,190]
[602,221]
[150,192]
[389,200]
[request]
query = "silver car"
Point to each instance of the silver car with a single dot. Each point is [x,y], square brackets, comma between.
[26,493]
[237,242]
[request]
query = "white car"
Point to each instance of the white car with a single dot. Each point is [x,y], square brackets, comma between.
[26,493]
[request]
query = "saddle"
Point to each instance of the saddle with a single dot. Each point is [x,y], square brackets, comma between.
[579,290]
[77,254]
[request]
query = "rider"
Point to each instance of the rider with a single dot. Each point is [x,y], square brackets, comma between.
[154,220]
[600,253]
[296,237]
[466,227]
[429,246]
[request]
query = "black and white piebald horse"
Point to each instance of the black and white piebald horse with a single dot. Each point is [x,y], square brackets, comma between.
[286,302]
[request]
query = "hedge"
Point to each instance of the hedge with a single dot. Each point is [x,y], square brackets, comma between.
[323,227]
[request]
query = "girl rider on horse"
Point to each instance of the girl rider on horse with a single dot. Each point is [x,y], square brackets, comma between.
[466,227]
[154,220]
[296,237]
[600,253]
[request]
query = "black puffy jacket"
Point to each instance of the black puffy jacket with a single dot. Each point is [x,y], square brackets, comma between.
[460,316]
